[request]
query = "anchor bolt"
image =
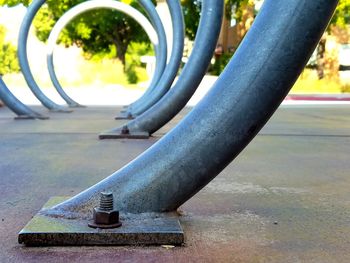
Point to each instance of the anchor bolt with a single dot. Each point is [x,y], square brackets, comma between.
[105,216]
[125,130]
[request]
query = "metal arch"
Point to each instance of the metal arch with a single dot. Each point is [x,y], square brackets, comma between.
[95,4]
[264,68]
[14,104]
[23,59]
[161,50]
[191,76]
[55,82]
[172,68]
[35,6]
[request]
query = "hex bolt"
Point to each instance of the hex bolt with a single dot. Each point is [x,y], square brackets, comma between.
[105,216]
[125,130]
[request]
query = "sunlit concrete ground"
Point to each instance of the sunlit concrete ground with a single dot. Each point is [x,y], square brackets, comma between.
[114,94]
[286,198]
[102,94]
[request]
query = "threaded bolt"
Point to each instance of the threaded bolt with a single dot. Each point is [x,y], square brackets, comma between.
[106,201]
[105,216]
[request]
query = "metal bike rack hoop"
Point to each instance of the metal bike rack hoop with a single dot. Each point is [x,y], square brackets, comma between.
[255,82]
[23,59]
[151,97]
[14,104]
[190,78]
[91,5]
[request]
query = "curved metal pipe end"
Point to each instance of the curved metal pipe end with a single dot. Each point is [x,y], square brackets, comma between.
[22,111]
[76,105]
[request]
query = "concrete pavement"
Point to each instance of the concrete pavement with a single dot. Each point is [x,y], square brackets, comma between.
[286,198]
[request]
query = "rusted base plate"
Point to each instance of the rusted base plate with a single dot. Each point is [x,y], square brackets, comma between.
[117,134]
[141,229]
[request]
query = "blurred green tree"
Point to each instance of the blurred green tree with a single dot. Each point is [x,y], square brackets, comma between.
[8,56]
[103,31]
[326,64]
[342,14]
[192,10]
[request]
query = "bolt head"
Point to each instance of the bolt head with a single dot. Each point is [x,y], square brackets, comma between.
[125,130]
[102,217]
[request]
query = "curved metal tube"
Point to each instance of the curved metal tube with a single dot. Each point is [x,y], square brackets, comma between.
[14,104]
[262,71]
[172,68]
[23,59]
[191,76]
[95,4]
[161,50]
[55,82]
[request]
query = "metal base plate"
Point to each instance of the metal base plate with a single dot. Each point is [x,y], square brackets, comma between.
[143,229]
[118,135]
[76,106]
[61,110]
[124,116]
[25,117]
[31,117]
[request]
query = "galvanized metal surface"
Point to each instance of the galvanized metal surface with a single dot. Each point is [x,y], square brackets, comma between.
[23,58]
[161,49]
[294,172]
[168,77]
[264,68]
[192,74]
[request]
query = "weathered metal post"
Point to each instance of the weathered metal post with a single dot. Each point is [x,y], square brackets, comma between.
[191,76]
[152,96]
[160,48]
[264,68]
[14,104]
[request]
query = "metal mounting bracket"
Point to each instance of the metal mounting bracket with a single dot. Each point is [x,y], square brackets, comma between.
[137,229]
[124,116]
[31,117]
[120,134]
